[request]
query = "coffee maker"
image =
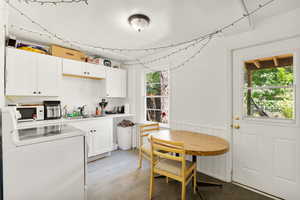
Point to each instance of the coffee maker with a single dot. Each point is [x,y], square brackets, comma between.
[52,110]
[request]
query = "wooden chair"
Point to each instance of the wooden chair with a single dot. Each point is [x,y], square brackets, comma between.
[144,147]
[166,164]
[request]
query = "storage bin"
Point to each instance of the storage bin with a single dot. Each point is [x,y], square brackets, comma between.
[67,53]
[124,137]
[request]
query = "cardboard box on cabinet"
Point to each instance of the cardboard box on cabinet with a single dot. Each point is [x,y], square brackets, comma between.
[67,53]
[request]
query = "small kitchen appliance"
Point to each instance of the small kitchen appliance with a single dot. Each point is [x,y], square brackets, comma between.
[52,109]
[103,105]
[30,112]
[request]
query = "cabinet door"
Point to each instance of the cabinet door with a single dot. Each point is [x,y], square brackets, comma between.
[116,83]
[73,67]
[95,71]
[102,141]
[21,73]
[113,83]
[86,126]
[48,75]
[90,144]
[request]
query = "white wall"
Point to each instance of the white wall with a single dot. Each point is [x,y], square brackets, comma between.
[200,91]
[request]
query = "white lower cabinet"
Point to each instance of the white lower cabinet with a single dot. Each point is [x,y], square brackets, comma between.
[99,135]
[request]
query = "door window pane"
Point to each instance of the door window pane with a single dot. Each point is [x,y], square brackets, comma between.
[269,88]
[280,76]
[269,103]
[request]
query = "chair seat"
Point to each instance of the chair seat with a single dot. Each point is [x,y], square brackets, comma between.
[172,166]
[146,147]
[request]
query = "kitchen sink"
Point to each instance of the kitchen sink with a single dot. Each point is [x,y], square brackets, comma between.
[85,117]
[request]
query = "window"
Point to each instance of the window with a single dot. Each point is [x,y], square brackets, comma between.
[269,89]
[157,97]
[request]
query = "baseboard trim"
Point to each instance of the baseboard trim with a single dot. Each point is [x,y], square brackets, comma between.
[115,147]
[256,191]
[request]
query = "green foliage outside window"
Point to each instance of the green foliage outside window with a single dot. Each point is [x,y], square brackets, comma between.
[157,96]
[278,101]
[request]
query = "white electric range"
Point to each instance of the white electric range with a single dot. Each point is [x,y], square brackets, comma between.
[45,162]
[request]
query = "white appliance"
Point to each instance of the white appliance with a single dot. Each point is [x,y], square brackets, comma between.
[46,162]
[30,113]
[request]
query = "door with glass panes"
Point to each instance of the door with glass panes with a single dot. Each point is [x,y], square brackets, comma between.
[266,134]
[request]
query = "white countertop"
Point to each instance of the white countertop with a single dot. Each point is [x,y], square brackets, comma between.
[28,124]
[43,134]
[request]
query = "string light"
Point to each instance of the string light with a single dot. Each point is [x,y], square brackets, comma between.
[54,2]
[141,49]
[129,63]
[190,43]
[183,63]
[192,56]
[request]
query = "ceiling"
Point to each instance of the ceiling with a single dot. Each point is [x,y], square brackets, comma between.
[104,23]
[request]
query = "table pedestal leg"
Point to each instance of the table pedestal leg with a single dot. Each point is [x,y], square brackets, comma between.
[205,184]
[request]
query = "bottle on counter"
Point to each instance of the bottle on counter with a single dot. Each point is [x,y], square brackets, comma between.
[98,111]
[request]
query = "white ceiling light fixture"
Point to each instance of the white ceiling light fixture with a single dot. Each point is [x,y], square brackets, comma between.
[139,21]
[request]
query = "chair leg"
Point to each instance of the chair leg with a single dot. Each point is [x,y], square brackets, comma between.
[140,159]
[151,185]
[183,190]
[167,179]
[195,180]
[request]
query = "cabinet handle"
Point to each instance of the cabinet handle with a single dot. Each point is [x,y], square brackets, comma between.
[88,72]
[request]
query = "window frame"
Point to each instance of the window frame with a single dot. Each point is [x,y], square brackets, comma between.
[166,125]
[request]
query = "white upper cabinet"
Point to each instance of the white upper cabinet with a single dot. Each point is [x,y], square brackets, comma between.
[31,74]
[82,69]
[73,67]
[20,73]
[94,71]
[48,75]
[116,82]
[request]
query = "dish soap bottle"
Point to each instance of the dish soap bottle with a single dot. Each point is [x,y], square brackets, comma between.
[97,111]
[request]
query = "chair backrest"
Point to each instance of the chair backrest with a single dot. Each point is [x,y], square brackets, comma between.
[145,129]
[162,149]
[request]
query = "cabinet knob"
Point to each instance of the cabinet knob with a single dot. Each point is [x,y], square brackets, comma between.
[40,92]
[34,92]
